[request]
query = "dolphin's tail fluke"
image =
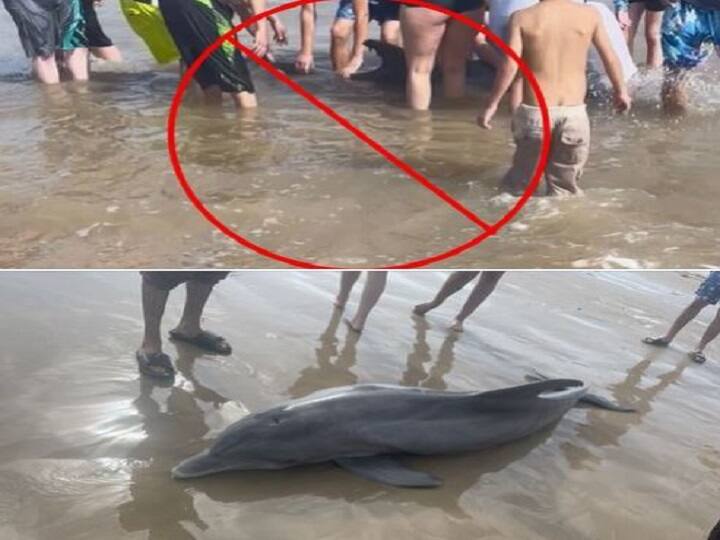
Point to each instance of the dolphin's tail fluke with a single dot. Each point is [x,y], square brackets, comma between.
[588,399]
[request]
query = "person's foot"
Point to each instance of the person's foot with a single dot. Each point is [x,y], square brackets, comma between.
[203,339]
[697,356]
[422,309]
[353,326]
[656,341]
[457,326]
[155,364]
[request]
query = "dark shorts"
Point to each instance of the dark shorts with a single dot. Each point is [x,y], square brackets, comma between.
[709,290]
[686,31]
[96,38]
[651,5]
[381,11]
[195,25]
[458,6]
[46,26]
[167,281]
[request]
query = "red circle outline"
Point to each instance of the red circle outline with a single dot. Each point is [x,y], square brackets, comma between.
[491,230]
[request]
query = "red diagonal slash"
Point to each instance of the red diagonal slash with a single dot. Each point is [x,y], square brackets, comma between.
[488,229]
[344,122]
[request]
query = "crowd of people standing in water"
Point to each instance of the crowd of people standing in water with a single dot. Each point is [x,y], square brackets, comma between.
[156,286]
[557,39]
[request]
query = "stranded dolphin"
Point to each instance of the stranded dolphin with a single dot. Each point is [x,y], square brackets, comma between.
[363,428]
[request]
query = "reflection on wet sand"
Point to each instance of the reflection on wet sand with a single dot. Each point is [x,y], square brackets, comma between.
[416,373]
[600,430]
[329,373]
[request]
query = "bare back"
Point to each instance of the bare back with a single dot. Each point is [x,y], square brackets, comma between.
[556,36]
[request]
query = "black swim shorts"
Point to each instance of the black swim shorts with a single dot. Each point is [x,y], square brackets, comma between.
[195,25]
[652,5]
[96,38]
[167,281]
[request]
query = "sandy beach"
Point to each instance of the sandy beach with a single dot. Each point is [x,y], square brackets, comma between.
[85,179]
[87,445]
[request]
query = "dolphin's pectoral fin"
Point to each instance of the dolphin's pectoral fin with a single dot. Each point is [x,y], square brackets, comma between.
[600,402]
[387,470]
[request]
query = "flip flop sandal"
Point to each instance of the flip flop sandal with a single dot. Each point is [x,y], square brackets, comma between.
[698,357]
[656,341]
[158,365]
[206,341]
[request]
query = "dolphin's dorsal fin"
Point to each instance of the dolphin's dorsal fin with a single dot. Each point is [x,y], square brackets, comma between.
[387,470]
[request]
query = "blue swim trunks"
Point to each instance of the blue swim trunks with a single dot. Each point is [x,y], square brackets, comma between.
[687,34]
[709,290]
[381,11]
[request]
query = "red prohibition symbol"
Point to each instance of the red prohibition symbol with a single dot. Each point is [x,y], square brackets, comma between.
[486,229]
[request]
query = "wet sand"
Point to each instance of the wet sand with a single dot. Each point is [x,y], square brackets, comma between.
[87,445]
[85,178]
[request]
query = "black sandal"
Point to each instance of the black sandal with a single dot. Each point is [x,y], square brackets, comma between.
[157,365]
[697,356]
[205,340]
[656,341]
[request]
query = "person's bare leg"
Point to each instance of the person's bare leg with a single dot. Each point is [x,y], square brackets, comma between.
[390,33]
[635,12]
[374,287]
[653,25]
[347,282]
[46,69]
[340,34]
[687,315]
[76,62]
[422,32]
[153,304]
[484,288]
[457,44]
[245,100]
[674,94]
[454,282]
[109,54]
[711,332]
[197,294]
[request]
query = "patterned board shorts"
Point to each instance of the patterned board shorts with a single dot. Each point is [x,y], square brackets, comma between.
[687,34]
[709,290]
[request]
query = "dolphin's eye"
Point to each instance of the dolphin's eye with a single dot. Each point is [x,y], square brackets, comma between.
[276,420]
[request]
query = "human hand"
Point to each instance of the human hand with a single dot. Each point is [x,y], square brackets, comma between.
[304,63]
[261,44]
[487,115]
[280,35]
[622,101]
[352,67]
[623,18]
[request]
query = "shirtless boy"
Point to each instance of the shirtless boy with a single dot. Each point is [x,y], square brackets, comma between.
[554,38]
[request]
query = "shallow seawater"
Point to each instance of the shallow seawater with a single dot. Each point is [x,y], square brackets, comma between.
[86,445]
[85,178]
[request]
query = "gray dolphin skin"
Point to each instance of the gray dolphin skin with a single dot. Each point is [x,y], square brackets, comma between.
[364,428]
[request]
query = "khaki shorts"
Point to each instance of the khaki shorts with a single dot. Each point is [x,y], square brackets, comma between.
[569,149]
[167,281]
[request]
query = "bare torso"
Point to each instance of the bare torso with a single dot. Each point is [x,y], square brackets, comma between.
[556,37]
